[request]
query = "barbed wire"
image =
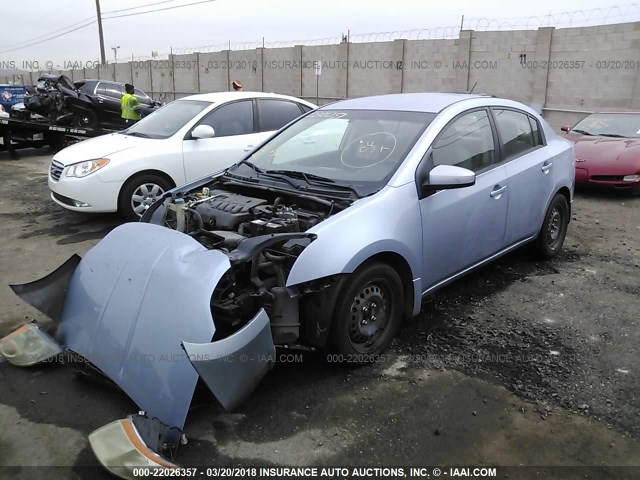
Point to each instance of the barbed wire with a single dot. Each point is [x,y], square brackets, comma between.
[576,18]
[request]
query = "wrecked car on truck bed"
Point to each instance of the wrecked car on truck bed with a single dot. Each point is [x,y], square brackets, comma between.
[324,236]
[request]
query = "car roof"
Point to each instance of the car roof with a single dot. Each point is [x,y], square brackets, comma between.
[85,80]
[408,102]
[227,96]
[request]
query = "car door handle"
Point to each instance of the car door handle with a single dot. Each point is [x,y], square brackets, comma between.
[248,148]
[546,166]
[497,191]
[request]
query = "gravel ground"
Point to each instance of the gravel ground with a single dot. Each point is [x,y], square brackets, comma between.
[522,363]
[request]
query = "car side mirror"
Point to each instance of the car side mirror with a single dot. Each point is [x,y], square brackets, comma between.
[444,177]
[565,128]
[202,132]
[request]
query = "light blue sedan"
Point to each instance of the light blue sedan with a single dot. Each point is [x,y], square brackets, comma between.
[326,235]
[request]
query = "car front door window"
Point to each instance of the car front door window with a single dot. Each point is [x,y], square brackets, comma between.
[467,142]
[234,136]
[231,119]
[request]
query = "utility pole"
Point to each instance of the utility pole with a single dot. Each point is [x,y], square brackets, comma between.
[103,59]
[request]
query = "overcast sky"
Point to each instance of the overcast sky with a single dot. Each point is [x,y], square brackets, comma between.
[220,21]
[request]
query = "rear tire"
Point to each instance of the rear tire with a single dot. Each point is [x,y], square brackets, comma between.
[139,193]
[554,228]
[367,313]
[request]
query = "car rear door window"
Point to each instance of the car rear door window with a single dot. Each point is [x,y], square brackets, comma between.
[275,114]
[231,119]
[466,142]
[112,90]
[537,132]
[515,133]
[101,89]
[305,108]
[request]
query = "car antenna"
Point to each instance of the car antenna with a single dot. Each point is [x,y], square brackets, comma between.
[473,88]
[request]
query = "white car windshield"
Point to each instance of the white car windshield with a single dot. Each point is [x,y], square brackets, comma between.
[362,148]
[167,120]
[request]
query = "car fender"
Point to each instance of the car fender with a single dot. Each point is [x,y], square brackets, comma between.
[388,221]
[163,157]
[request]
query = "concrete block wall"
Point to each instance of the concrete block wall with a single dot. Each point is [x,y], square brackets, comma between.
[495,64]
[162,84]
[213,72]
[606,66]
[374,68]
[141,76]
[332,83]
[185,74]
[426,65]
[568,72]
[282,70]
[245,67]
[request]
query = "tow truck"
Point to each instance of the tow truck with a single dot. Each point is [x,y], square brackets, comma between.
[18,133]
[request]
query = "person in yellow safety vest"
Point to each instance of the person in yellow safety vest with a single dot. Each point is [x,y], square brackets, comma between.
[130,105]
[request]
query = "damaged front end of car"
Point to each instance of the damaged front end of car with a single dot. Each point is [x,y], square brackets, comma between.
[155,309]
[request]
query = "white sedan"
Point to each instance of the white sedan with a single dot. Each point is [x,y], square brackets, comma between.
[185,140]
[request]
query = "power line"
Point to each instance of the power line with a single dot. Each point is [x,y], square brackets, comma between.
[139,6]
[158,9]
[50,33]
[47,39]
[51,36]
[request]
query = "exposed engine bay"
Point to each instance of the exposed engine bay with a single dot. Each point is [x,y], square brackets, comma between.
[263,232]
[221,219]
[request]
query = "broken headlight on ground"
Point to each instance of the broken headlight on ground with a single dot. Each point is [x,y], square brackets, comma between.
[125,447]
[28,345]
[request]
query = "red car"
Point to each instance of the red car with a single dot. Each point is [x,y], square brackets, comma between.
[607,150]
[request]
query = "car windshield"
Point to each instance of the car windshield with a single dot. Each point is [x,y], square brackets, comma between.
[610,124]
[356,148]
[167,120]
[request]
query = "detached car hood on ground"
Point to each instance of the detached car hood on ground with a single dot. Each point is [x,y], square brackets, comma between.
[152,300]
[99,147]
[144,320]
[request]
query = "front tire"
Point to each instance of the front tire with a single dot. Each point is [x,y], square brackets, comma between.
[85,119]
[368,313]
[554,228]
[139,193]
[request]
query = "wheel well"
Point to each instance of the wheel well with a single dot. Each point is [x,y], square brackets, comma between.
[317,309]
[567,195]
[145,172]
[400,265]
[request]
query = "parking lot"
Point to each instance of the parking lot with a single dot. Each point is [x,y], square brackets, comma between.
[521,363]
